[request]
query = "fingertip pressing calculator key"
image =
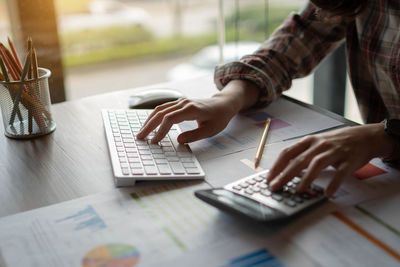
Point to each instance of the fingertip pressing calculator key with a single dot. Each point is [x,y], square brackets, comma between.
[252,197]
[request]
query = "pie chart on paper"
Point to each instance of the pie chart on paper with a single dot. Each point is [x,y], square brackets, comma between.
[111,255]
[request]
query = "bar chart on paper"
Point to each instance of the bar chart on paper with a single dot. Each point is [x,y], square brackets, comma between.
[85,219]
[260,257]
[111,255]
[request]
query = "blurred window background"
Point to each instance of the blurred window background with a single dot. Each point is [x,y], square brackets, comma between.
[109,45]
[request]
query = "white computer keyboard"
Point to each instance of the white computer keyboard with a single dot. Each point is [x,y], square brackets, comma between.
[133,159]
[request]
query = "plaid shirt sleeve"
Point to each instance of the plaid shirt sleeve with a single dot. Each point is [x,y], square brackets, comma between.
[292,51]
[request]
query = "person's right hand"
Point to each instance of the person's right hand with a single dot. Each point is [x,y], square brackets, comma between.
[212,116]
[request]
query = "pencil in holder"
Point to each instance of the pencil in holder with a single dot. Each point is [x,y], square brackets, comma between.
[25,107]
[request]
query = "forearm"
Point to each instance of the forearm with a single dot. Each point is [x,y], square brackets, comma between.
[239,94]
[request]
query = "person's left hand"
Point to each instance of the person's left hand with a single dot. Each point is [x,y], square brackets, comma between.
[345,149]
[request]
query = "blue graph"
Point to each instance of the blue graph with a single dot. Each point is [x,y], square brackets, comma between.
[87,218]
[257,258]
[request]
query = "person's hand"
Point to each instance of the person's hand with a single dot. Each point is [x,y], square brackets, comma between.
[346,150]
[212,116]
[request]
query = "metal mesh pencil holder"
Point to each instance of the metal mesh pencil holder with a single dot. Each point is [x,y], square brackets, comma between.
[25,107]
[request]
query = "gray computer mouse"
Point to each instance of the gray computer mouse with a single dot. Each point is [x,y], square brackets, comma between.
[151,98]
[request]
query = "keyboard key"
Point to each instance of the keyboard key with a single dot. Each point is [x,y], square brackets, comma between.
[177,167]
[124,165]
[130,144]
[160,161]
[192,170]
[189,165]
[168,149]
[173,159]
[183,151]
[164,168]
[144,152]
[138,158]
[136,165]
[144,157]
[146,162]
[188,160]
[165,143]
[151,170]
[137,171]
[159,156]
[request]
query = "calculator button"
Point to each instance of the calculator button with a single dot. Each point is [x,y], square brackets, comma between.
[290,203]
[298,199]
[263,175]
[251,181]
[285,194]
[256,189]
[249,191]
[317,189]
[236,187]
[263,186]
[266,192]
[277,197]
[296,180]
[291,191]
[244,184]
[259,179]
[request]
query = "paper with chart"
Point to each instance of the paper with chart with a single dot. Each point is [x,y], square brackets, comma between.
[145,227]
[361,235]
[289,120]
[164,224]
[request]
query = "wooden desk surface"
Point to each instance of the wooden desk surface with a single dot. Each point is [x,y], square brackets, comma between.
[73,161]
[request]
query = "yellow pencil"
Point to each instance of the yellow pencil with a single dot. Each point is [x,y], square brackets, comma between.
[261,145]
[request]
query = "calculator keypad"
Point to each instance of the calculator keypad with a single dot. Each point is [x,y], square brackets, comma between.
[286,200]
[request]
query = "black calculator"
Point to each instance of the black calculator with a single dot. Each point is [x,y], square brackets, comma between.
[251,197]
